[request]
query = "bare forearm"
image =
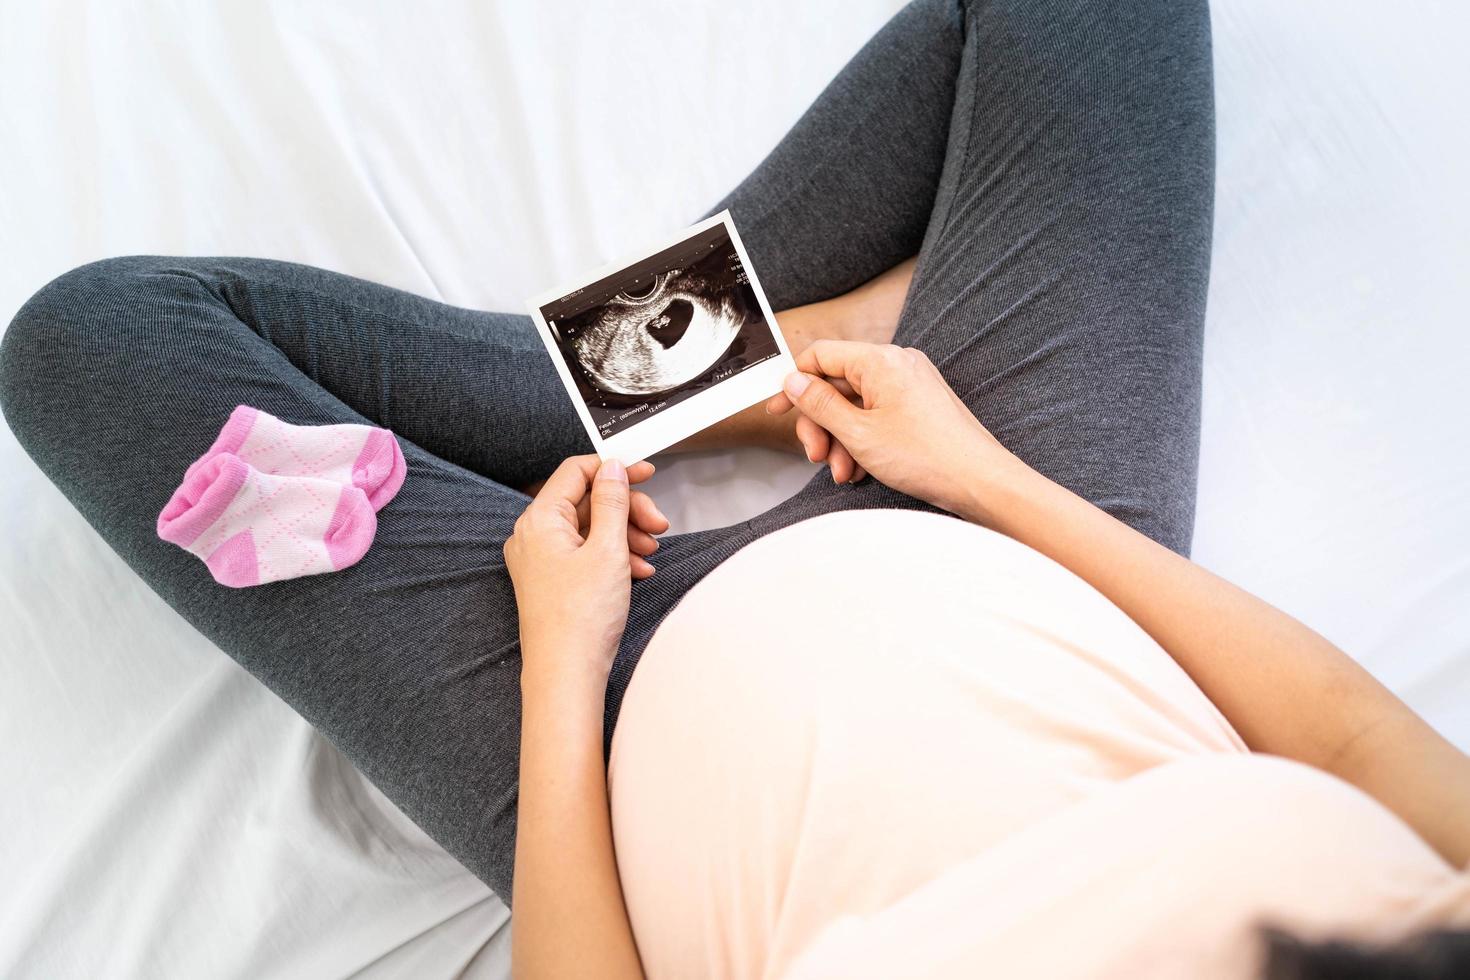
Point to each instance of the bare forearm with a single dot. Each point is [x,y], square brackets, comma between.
[570,919]
[1284,688]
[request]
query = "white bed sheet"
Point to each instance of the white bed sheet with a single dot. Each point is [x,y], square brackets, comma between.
[163,815]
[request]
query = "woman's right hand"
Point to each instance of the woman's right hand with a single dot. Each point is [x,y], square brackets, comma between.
[892,412]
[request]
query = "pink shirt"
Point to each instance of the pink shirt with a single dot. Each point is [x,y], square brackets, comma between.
[884,743]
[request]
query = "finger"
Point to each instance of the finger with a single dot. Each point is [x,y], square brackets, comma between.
[822,403]
[845,359]
[841,462]
[645,515]
[569,480]
[780,404]
[641,542]
[642,513]
[813,438]
[551,520]
[608,519]
[640,471]
[855,475]
[640,568]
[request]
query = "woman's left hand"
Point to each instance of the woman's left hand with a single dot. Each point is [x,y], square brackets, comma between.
[572,558]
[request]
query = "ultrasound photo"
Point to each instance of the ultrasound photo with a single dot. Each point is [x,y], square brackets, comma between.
[661,330]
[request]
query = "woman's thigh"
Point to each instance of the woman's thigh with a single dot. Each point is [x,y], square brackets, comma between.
[118,375]
[847,194]
[1061,284]
[1052,164]
[474,388]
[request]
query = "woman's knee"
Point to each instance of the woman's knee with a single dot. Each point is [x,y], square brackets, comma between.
[75,305]
[68,336]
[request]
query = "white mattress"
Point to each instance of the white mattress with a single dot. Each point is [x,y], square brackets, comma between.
[163,815]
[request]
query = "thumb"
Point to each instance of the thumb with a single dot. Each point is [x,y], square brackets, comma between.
[609,513]
[822,403]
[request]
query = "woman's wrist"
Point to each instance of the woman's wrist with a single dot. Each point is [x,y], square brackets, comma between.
[561,711]
[991,484]
[567,674]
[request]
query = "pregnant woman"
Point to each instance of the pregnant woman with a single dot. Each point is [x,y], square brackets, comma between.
[960,706]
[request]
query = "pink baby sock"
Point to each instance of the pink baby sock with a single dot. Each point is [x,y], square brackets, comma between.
[360,455]
[252,527]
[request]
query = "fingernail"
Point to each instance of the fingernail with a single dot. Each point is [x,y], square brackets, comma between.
[796,383]
[612,469]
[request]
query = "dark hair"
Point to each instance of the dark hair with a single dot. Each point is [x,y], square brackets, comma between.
[1439,955]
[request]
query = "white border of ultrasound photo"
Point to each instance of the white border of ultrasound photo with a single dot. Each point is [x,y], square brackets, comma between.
[679,421]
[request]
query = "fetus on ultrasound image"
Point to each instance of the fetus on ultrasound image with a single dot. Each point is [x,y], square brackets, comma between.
[661,330]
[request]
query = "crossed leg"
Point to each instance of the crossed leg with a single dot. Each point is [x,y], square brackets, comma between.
[1049,164]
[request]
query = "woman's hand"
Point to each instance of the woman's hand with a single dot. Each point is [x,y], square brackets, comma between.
[889,411]
[572,558]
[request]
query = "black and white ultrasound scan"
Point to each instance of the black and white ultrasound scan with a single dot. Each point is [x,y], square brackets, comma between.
[657,348]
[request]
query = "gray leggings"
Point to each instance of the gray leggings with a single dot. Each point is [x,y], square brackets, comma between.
[1050,162]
